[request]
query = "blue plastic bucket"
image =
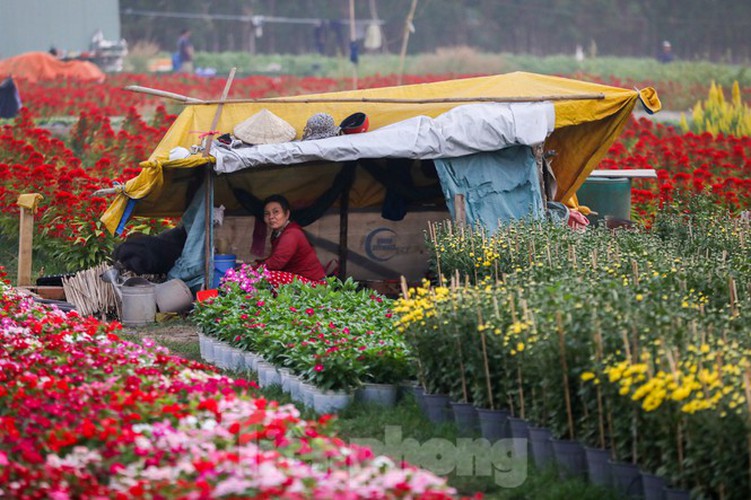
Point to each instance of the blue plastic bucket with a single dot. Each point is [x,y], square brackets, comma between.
[222,264]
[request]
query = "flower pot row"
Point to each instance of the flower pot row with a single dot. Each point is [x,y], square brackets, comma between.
[569,457]
[322,401]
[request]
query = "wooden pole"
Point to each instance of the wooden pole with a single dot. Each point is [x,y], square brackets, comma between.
[564,367]
[344,225]
[343,229]
[164,93]
[460,210]
[437,100]
[25,242]
[209,183]
[352,40]
[405,40]
[386,100]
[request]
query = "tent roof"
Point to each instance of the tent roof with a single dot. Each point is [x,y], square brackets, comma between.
[36,66]
[582,134]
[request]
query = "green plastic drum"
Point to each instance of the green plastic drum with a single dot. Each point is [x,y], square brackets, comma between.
[606,196]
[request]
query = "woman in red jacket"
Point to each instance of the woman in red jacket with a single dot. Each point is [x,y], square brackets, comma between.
[292,256]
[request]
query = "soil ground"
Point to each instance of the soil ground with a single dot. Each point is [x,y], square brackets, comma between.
[179,335]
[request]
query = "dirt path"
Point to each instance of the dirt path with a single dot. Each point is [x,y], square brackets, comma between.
[171,333]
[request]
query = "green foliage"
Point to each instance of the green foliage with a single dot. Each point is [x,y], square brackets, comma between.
[90,245]
[336,335]
[599,333]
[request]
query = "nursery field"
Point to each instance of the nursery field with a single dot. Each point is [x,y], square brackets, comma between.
[630,344]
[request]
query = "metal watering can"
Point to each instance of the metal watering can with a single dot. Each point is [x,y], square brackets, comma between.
[140,298]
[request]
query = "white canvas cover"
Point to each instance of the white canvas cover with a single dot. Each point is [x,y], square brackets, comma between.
[463,130]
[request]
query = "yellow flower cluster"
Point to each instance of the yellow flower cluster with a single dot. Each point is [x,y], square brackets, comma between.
[695,383]
[489,255]
[716,115]
[420,304]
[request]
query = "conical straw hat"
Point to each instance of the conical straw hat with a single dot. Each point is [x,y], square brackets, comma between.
[264,127]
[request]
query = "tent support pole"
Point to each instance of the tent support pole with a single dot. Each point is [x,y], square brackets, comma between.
[344,224]
[208,200]
[343,227]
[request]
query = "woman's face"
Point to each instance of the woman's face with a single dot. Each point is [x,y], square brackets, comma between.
[274,215]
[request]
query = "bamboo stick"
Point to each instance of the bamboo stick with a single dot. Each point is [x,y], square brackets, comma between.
[564,366]
[485,361]
[209,181]
[405,40]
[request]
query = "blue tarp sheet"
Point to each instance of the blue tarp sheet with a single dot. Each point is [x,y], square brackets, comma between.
[498,186]
[189,267]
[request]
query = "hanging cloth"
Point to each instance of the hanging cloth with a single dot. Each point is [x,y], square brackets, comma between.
[498,187]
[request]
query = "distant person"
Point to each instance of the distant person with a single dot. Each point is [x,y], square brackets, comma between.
[666,55]
[184,53]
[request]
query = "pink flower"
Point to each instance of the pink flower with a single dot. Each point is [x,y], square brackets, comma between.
[310,311]
[318,368]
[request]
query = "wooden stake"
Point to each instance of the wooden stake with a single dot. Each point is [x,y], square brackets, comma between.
[519,381]
[733,295]
[465,393]
[564,366]
[405,288]
[25,244]
[485,361]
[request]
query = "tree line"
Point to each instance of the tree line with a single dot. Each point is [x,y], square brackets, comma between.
[718,30]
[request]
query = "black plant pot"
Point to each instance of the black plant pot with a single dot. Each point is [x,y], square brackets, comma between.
[598,465]
[540,446]
[518,430]
[419,394]
[436,407]
[652,486]
[569,455]
[626,478]
[492,423]
[465,418]
[409,388]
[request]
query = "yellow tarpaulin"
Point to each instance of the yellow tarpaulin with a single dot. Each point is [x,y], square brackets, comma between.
[584,131]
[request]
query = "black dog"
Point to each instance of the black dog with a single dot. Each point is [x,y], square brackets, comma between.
[145,254]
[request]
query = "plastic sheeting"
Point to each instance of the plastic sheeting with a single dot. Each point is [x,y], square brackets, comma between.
[41,66]
[498,187]
[462,131]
